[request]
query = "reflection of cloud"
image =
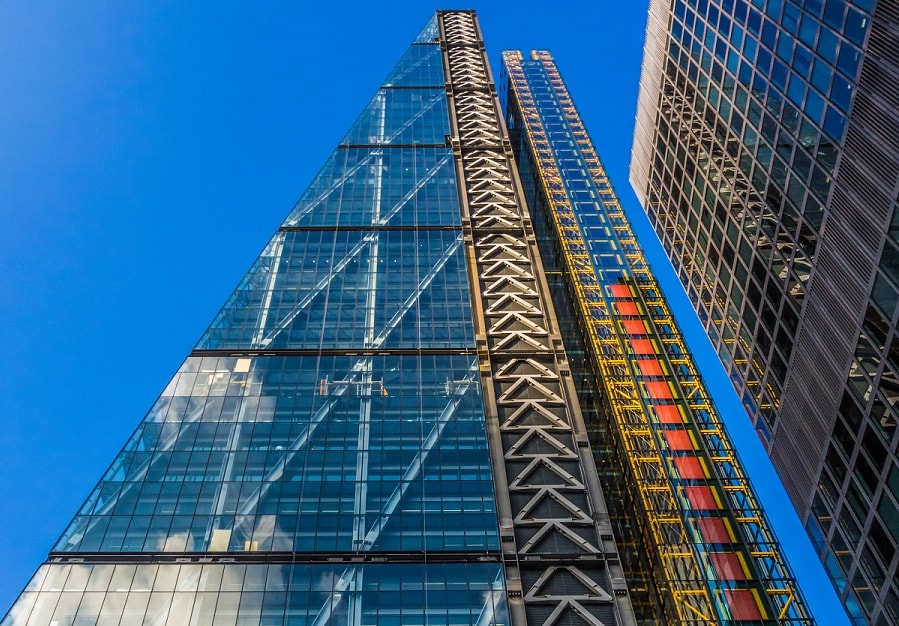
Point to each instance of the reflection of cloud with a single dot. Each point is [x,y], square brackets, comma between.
[488,608]
[143,578]
[255,576]
[176,542]
[265,527]
[325,582]
[333,588]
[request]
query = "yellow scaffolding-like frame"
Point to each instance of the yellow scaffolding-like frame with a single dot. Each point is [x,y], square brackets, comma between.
[685,565]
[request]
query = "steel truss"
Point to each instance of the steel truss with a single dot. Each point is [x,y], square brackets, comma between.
[559,557]
[628,326]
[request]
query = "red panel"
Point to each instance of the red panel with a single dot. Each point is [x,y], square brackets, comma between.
[714,530]
[650,367]
[689,467]
[627,308]
[634,327]
[743,605]
[642,346]
[702,498]
[679,440]
[658,390]
[668,414]
[727,566]
[620,291]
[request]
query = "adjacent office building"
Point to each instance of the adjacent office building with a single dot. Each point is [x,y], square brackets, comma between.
[383,425]
[766,154]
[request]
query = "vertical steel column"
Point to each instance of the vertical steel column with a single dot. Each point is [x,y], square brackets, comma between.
[560,558]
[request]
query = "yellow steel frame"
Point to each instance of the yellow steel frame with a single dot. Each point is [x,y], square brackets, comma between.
[684,572]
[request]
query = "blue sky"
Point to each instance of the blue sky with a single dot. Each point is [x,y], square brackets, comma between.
[149,150]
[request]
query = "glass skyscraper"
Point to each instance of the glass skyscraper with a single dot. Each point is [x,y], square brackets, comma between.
[379,426]
[382,425]
[766,155]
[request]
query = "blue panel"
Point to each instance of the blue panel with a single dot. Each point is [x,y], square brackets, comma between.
[301,454]
[429,33]
[381,187]
[403,116]
[421,65]
[350,289]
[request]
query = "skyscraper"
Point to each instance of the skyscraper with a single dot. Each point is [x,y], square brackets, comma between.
[379,426]
[697,546]
[382,424]
[766,156]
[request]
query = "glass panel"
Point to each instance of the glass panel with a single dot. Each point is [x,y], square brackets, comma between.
[304,454]
[381,187]
[350,289]
[449,594]
[421,65]
[402,116]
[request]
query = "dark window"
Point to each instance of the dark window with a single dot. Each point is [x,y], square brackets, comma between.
[856,26]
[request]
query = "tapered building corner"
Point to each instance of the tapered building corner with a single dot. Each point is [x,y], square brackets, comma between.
[381,424]
[766,156]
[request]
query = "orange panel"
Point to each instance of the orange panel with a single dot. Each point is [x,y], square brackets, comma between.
[620,291]
[627,308]
[702,498]
[668,414]
[714,530]
[634,327]
[650,367]
[679,440]
[728,566]
[689,467]
[744,605]
[658,390]
[642,346]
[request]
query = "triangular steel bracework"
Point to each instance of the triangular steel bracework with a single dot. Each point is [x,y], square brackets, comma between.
[548,495]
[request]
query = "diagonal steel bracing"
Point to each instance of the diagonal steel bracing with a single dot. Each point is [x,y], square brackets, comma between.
[365,243]
[347,174]
[555,514]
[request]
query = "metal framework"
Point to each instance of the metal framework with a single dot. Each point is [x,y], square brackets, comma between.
[715,559]
[560,561]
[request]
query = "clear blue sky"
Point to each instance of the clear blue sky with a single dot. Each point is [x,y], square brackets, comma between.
[147,152]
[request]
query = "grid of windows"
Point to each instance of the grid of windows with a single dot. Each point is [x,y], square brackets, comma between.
[415,186]
[301,454]
[772,186]
[321,456]
[226,595]
[744,158]
[350,288]
[403,116]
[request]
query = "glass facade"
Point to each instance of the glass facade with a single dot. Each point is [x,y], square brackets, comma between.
[230,594]
[321,455]
[380,424]
[766,155]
